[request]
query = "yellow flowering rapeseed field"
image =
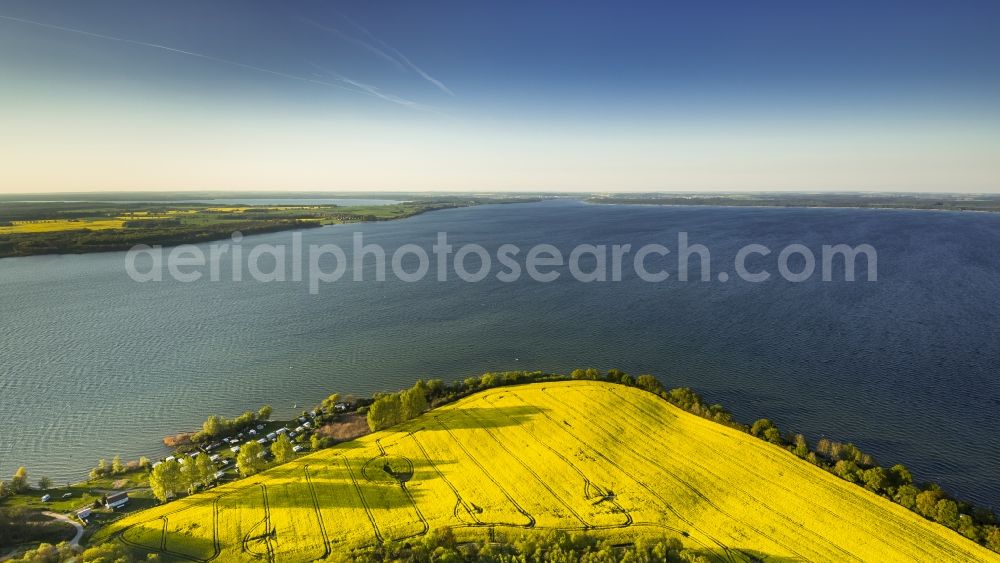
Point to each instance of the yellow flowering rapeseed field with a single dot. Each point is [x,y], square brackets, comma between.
[58,225]
[577,456]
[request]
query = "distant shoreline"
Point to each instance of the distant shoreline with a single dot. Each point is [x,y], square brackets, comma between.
[984,205]
[66,228]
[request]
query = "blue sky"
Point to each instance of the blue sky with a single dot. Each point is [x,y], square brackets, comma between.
[590,96]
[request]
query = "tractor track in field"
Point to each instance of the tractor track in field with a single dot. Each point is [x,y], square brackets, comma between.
[265,538]
[402,485]
[650,489]
[327,548]
[459,501]
[364,502]
[529,469]
[216,546]
[461,446]
[763,448]
[792,524]
[587,482]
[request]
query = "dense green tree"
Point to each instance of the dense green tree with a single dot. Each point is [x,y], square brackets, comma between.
[144,463]
[846,469]
[45,483]
[190,477]
[991,536]
[773,435]
[213,425]
[414,402]
[165,480]
[926,502]
[578,374]
[386,411]
[684,397]
[983,515]
[906,495]
[282,449]
[330,402]
[760,425]
[205,470]
[249,460]
[649,383]
[264,413]
[875,479]
[117,468]
[107,552]
[800,446]
[614,375]
[435,387]
[899,475]
[19,482]
[5,489]
[946,512]
[968,528]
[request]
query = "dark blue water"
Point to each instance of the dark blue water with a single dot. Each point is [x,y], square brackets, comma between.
[93,364]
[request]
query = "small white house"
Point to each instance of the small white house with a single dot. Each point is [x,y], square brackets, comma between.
[235,449]
[46,498]
[214,458]
[298,449]
[116,500]
[272,436]
[83,513]
[219,475]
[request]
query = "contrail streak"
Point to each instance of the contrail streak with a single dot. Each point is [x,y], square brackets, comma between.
[382,50]
[369,89]
[357,87]
[363,44]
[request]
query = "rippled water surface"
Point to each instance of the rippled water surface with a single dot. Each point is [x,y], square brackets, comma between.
[93,364]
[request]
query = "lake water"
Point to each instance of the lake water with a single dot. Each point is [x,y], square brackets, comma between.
[93,364]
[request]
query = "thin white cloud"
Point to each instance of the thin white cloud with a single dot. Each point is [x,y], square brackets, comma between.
[371,90]
[381,49]
[363,44]
[343,83]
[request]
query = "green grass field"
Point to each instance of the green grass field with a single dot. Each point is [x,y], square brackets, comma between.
[578,456]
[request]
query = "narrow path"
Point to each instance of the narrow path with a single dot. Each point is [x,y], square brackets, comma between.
[79,528]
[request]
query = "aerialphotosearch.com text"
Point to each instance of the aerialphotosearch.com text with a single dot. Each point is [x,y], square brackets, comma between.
[319,264]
